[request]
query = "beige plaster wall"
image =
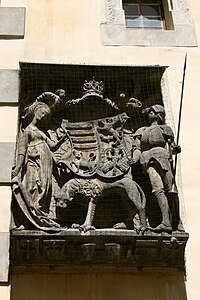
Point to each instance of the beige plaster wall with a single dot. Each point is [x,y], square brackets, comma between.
[5,292]
[68,32]
[8,122]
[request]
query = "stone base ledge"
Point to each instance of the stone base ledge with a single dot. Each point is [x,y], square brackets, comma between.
[96,269]
[119,35]
[101,247]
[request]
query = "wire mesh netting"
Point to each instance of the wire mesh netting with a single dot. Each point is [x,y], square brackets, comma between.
[141,83]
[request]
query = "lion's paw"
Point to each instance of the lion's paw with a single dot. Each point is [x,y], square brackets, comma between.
[141,229]
[75,226]
[121,225]
[86,228]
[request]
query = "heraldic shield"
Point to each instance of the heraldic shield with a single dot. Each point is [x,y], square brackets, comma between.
[97,147]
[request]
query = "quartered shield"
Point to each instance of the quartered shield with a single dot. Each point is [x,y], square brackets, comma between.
[97,147]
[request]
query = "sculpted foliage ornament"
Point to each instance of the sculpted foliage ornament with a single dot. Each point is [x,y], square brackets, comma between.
[61,163]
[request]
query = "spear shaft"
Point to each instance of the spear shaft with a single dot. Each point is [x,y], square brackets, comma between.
[180,111]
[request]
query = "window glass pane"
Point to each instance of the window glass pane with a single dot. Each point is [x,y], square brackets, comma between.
[150,10]
[152,22]
[133,21]
[131,9]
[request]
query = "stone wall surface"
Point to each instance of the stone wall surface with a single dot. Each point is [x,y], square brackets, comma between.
[98,286]
[68,32]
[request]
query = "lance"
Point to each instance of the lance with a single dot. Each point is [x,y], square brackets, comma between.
[180,112]
[175,200]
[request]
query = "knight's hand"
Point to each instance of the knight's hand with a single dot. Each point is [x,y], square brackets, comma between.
[132,161]
[15,171]
[60,132]
[135,156]
[64,137]
[176,149]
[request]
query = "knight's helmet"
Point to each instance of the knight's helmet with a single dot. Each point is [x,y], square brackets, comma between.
[159,111]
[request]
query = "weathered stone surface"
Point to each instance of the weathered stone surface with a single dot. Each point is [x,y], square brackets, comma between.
[95,150]
[86,283]
[114,12]
[59,162]
[9,86]
[4,256]
[100,246]
[73,175]
[153,142]
[184,35]
[12,25]
[7,152]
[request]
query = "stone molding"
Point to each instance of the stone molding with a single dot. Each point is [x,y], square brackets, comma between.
[114,31]
[9,86]
[7,151]
[12,24]
[4,256]
[99,247]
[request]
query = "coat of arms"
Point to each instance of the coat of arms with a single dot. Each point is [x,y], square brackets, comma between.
[96,147]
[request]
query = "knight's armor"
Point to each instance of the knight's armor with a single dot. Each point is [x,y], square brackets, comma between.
[153,141]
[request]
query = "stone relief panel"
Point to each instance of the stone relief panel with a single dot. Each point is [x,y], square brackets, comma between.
[103,159]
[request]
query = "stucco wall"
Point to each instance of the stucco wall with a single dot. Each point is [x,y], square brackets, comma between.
[68,32]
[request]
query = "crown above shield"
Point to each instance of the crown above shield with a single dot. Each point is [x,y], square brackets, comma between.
[93,88]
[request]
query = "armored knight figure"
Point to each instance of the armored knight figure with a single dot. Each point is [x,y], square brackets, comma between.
[154,146]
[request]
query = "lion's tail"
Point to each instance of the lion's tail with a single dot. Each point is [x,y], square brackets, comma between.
[143,197]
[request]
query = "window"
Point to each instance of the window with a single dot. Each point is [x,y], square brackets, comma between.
[144,14]
[148,23]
